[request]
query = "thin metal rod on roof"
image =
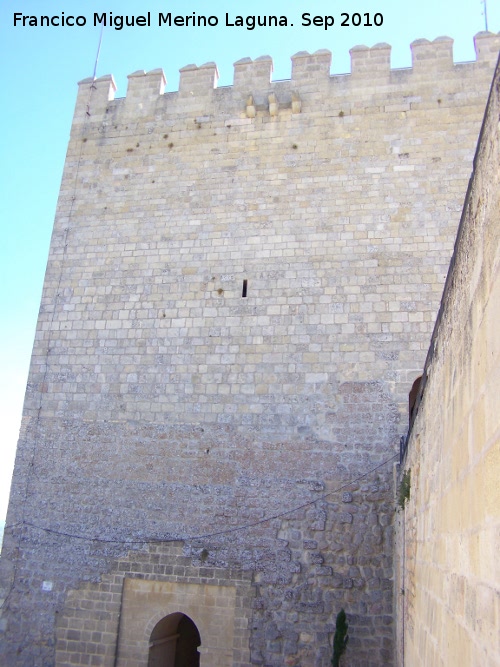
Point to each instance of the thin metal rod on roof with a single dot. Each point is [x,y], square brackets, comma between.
[485,15]
[99,51]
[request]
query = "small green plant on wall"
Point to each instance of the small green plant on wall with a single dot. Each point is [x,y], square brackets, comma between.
[404,489]
[341,638]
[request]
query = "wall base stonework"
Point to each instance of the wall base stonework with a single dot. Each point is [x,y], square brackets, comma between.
[111,621]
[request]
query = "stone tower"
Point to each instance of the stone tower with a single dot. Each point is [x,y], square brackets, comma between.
[240,291]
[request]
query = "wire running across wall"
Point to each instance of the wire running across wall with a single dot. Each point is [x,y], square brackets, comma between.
[218,533]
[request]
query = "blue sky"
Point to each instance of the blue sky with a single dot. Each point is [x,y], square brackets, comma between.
[40,69]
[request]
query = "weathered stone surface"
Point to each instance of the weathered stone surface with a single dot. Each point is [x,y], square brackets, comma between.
[447,575]
[235,307]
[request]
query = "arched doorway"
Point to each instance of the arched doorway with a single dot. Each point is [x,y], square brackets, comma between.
[174,642]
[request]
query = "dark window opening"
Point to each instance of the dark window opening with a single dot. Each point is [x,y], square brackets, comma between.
[412,398]
[245,287]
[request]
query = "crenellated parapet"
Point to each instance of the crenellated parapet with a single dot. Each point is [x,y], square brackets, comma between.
[368,62]
[198,80]
[306,66]
[253,90]
[487,45]
[99,91]
[142,87]
[253,74]
[435,56]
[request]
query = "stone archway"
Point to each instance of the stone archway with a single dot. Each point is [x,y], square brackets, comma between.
[174,642]
[147,603]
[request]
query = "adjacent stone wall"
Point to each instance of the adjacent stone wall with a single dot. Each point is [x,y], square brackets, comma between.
[256,431]
[448,534]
